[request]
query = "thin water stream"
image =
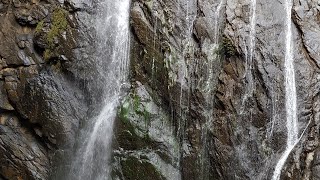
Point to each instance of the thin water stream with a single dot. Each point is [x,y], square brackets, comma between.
[291,95]
[249,56]
[252,40]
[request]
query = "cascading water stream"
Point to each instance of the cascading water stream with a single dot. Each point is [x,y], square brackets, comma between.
[250,55]
[216,21]
[252,44]
[291,95]
[92,160]
[212,50]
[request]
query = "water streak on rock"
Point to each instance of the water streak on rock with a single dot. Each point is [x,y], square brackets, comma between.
[291,95]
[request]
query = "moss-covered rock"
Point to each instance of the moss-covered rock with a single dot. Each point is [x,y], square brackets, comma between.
[59,24]
[228,47]
[132,136]
[55,36]
[143,133]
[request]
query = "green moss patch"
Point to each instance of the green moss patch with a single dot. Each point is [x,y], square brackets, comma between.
[228,47]
[40,26]
[134,105]
[59,24]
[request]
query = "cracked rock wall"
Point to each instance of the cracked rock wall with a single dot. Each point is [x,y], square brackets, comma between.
[188,114]
[225,133]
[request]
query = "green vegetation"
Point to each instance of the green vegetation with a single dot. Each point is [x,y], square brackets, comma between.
[140,111]
[136,102]
[47,54]
[134,105]
[228,47]
[59,24]
[133,108]
[124,111]
[39,27]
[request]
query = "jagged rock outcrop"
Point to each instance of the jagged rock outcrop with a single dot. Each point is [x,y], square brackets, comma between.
[42,99]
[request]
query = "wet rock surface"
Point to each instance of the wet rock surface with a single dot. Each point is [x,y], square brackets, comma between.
[230,133]
[174,51]
[145,142]
[189,113]
[22,156]
[42,99]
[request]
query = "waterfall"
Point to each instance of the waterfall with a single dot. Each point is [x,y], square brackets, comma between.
[111,24]
[249,56]
[291,95]
[211,48]
[216,21]
[252,38]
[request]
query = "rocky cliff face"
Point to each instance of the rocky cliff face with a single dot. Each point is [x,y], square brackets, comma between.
[42,89]
[191,113]
[226,126]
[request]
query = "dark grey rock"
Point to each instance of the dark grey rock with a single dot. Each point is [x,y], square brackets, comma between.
[50,101]
[21,156]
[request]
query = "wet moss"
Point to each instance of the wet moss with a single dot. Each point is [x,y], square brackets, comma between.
[136,102]
[124,111]
[228,47]
[47,54]
[39,27]
[140,109]
[133,107]
[59,24]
